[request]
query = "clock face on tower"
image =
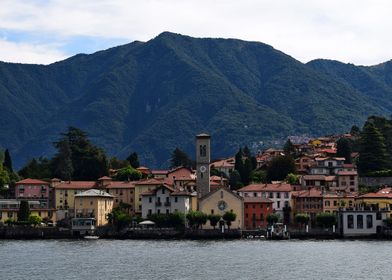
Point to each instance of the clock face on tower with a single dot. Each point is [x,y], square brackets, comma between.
[203,169]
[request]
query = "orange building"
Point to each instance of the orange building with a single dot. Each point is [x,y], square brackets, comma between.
[256,210]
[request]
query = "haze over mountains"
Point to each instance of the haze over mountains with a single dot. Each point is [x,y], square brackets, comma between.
[152,97]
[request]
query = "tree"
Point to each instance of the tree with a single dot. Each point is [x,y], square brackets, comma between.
[229,217]
[62,161]
[302,219]
[116,163]
[128,174]
[246,152]
[272,218]
[4,176]
[133,160]
[180,158]
[288,148]
[292,179]
[235,180]
[373,154]
[259,176]
[325,220]
[119,217]
[214,219]
[355,131]
[343,149]
[196,219]
[34,220]
[24,211]
[280,167]
[89,161]
[37,168]
[7,161]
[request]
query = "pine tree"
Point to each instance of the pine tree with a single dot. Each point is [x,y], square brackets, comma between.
[133,160]
[239,163]
[62,161]
[288,148]
[343,149]
[180,158]
[373,155]
[7,161]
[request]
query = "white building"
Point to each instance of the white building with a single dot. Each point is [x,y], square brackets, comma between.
[165,200]
[361,222]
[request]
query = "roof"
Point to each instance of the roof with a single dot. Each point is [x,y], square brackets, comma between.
[308,193]
[344,172]
[281,187]
[383,193]
[154,191]
[257,200]
[149,182]
[104,178]
[319,177]
[203,135]
[159,172]
[29,181]
[94,193]
[227,162]
[330,158]
[76,185]
[218,189]
[120,185]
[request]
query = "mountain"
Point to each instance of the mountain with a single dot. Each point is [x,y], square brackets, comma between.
[151,97]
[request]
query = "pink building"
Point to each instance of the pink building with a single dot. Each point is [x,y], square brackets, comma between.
[32,189]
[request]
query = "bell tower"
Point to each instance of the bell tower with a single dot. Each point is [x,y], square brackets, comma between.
[203,164]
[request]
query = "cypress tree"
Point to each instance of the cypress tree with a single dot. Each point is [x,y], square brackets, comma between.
[24,211]
[8,161]
[343,149]
[373,154]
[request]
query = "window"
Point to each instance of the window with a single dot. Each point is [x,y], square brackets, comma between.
[261,206]
[253,206]
[369,221]
[278,204]
[10,214]
[278,195]
[163,190]
[167,211]
[359,221]
[286,195]
[91,202]
[212,211]
[271,195]
[327,203]
[335,203]
[246,206]
[150,199]
[378,216]
[158,211]
[255,194]
[203,150]
[262,217]
[350,221]
[149,212]
[221,194]
[176,199]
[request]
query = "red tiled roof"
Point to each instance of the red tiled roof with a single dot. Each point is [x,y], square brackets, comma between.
[121,185]
[160,172]
[29,181]
[319,177]
[152,192]
[267,187]
[343,172]
[149,182]
[76,185]
[308,193]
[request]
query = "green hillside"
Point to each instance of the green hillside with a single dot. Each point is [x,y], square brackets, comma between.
[152,97]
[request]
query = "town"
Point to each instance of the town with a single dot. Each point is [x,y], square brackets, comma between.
[303,189]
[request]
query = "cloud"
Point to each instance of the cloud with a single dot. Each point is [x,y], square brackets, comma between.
[28,53]
[354,31]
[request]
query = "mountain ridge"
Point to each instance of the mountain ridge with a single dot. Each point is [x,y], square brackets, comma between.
[151,97]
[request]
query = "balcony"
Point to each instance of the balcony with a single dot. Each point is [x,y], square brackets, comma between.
[158,203]
[167,203]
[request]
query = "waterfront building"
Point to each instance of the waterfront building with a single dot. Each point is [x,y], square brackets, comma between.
[203,157]
[220,201]
[256,210]
[123,193]
[33,189]
[94,203]
[165,200]
[9,210]
[309,202]
[65,192]
[142,187]
[279,193]
[381,199]
[334,201]
[360,222]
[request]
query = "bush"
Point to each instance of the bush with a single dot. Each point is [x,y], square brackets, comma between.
[34,220]
[196,219]
[229,217]
[273,218]
[301,218]
[214,219]
[325,220]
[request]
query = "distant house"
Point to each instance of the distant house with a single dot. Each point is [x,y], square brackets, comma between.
[225,166]
[141,187]
[220,201]
[123,193]
[33,189]
[360,222]
[166,200]
[9,210]
[94,204]
[256,210]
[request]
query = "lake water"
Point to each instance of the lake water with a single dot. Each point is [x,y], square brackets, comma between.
[241,259]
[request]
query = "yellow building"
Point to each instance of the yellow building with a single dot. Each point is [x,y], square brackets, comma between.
[333,201]
[220,201]
[377,200]
[9,210]
[95,204]
[123,192]
[142,187]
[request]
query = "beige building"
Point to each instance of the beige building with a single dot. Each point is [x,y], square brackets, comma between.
[9,210]
[95,204]
[124,193]
[220,201]
[142,187]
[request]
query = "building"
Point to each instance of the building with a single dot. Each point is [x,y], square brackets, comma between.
[280,194]
[32,189]
[303,164]
[94,203]
[203,142]
[381,199]
[9,210]
[225,166]
[360,222]
[221,201]
[123,193]
[65,192]
[256,210]
[166,200]
[309,202]
[335,201]
[141,187]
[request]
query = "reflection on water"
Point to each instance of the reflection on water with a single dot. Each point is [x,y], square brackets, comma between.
[242,259]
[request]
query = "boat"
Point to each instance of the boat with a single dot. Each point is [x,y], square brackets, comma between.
[91,237]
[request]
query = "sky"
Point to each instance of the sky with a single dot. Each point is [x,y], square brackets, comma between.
[45,31]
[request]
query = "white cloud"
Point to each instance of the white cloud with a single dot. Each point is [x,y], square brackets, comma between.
[355,31]
[28,53]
